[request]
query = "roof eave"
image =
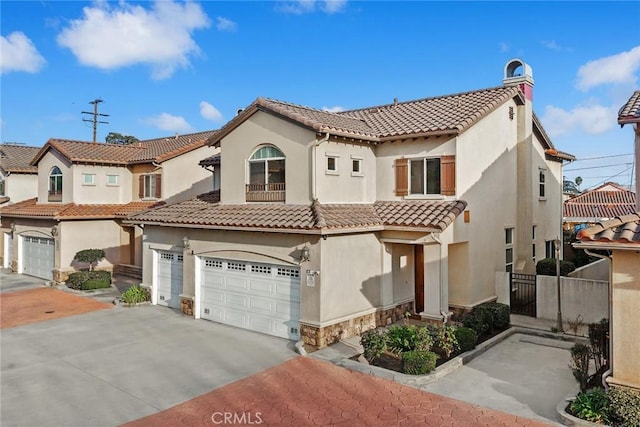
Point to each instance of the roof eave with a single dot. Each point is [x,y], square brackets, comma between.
[222,227]
[608,245]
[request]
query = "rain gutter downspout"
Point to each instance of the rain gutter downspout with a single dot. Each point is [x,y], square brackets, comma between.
[314,155]
[443,312]
[609,371]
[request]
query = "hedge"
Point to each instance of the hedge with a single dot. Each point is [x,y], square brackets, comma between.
[418,362]
[87,280]
[547,267]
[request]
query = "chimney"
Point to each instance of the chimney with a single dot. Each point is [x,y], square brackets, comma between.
[395,102]
[518,73]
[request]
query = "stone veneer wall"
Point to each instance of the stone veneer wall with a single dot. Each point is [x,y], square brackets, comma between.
[322,337]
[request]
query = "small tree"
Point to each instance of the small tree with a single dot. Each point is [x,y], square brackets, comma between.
[90,256]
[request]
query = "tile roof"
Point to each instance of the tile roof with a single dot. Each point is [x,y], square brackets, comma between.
[17,158]
[158,150]
[630,112]
[31,209]
[205,210]
[450,114]
[211,161]
[606,201]
[623,230]
[3,200]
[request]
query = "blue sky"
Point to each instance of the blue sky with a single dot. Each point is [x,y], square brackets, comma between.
[172,66]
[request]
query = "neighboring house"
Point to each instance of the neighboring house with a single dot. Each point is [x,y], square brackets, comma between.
[619,238]
[18,178]
[600,204]
[85,190]
[630,114]
[327,224]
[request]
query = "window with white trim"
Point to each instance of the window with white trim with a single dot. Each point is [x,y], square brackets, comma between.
[533,246]
[508,240]
[356,166]
[88,179]
[55,184]
[112,179]
[424,176]
[332,164]
[266,167]
[541,182]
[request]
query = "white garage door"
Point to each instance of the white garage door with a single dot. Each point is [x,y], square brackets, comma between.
[8,250]
[169,278]
[38,256]
[259,297]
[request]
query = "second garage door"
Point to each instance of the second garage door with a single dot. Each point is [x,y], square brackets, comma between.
[169,278]
[38,257]
[260,297]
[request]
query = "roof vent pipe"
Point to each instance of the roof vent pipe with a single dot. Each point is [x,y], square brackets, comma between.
[395,102]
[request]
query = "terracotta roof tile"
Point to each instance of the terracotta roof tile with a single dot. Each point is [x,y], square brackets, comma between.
[623,229]
[211,161]
[17,158]
[205,210]
[4,199]
[606,201]
[30,208]
[159,150]
[630,112]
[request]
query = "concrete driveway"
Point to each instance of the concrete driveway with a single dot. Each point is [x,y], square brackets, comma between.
[109,367]
[10,282]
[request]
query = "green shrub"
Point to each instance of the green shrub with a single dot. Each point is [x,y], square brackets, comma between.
[444,340]
[87,280]
[592,405]
[625,405]
[478,320]
[488,318]
[90,256]
[135,295]
[401,339]
[374,343]
[599,341]
[547,267]
[418,362]
[467,338]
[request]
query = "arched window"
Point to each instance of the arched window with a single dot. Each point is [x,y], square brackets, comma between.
[266,175]
[55,185]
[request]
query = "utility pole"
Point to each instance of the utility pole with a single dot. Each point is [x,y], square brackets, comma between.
[95,115]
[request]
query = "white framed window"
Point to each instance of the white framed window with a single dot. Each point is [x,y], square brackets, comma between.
[113,179]
[424,176]
[88,179]
[533,245]
[542,178]
[356,166]
[508,241]
[549,249]
[332,164]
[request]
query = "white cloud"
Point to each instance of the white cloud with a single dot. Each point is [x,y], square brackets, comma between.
[504,47]
[111,36]
[553,45]
[169,123]
[224,24]
[18,53]
[335,109]
[591,119]
[210,112]
[299,7]
[614,69]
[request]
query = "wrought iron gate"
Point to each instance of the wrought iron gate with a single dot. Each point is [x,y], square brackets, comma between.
[523,294]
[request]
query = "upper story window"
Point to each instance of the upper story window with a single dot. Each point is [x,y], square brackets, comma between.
[426,176]
[55,185]
[88,179]
[266,175]
[541,182]
[356,166]
[2,184]
[150,186]
[332,164]
[112,179]
[508,253]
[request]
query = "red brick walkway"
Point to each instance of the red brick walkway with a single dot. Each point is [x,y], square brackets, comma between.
[308,392]
[36,305]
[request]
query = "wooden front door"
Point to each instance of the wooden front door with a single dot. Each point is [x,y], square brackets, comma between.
[418,268]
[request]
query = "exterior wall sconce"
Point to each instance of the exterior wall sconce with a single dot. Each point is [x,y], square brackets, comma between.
[13,227]
[54,231]
[186,244]
[304,253]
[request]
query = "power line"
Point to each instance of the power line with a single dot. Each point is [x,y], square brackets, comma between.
[598,167]
[602,157]
[95,115]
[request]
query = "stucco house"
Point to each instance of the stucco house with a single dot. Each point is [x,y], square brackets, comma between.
[619,241]
[85,190]
[327,224]
[604,202]
[18,178]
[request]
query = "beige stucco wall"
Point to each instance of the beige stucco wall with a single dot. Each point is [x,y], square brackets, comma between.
[75,236]
[625,320]
[403,273]
[101,192]
[20,186]
[45,165]
[342,186]
[260,129]
[183,178]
